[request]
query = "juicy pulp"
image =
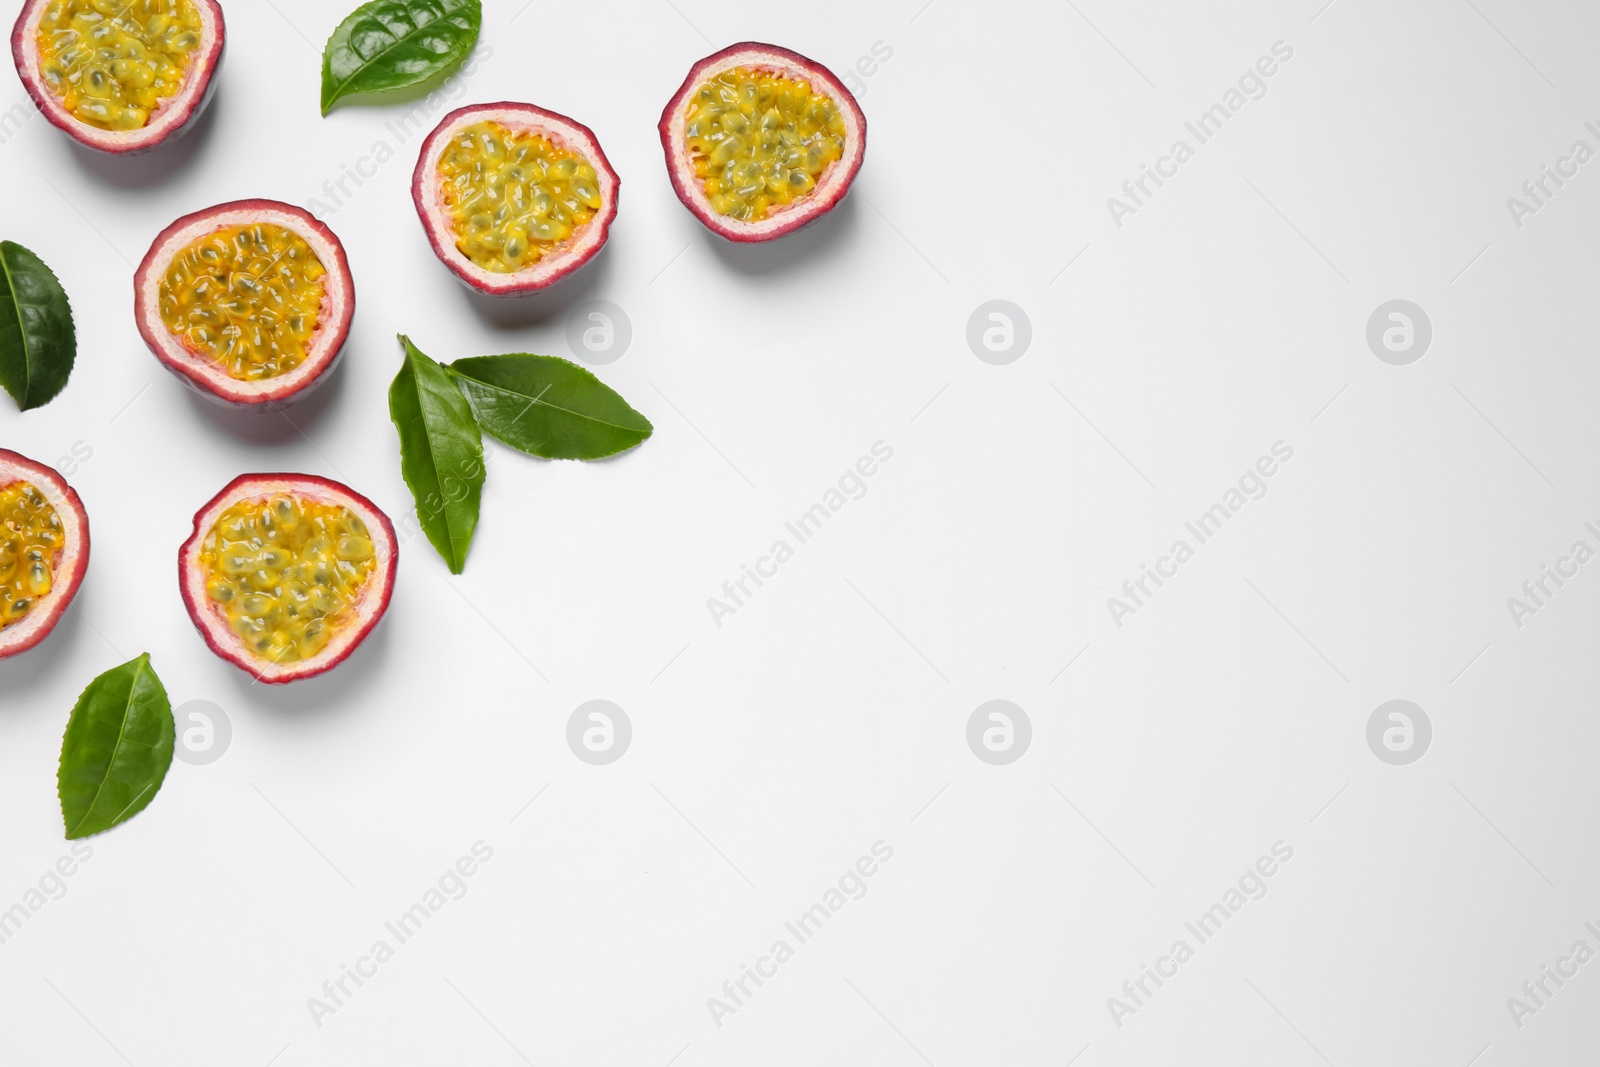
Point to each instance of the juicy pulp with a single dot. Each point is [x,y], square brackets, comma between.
[247,297]
[513,195]
[760,140]
[31,537]
[287,572]
[112,62]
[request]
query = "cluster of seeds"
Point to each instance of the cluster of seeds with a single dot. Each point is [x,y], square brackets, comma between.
[514,195]
[287,573]
[760,140]
[30,537]
[112,62]
[247,297]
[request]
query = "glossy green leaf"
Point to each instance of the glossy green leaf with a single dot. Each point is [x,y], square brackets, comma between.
[549,406]
[117,749]
[441,453]
[390,44]
[37,341]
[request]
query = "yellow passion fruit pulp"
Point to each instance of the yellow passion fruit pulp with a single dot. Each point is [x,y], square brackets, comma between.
[286,572]
[112,62]
[512,195]
[30,537]
[760,140]
[247,297]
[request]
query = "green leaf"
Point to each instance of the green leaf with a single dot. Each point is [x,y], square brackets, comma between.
[390,44]
[117,749]
[441,453]
[549,406]
[37,341]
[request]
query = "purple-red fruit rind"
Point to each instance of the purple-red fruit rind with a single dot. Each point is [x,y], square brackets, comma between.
[73,564]
[371,606]
[554,266]
[836,180]
[175,115]
[207,376]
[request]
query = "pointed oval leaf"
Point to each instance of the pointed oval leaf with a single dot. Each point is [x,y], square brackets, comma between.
[549,406]
[37,341]
[390,44]
[441,453]
[117,748]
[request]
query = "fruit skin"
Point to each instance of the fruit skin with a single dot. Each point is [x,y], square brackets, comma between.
[823,199]
[436,221]
[209,378]
[371,607]
[175,116]
[38,623]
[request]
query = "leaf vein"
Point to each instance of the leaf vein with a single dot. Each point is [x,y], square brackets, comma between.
[122,729]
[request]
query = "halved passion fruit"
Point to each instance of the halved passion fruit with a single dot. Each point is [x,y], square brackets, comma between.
[249,302]
[761,141]
[286,574]
[44,551]
[513,197]
[119,75]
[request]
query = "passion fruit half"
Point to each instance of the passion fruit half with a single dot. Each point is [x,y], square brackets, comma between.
[249,302]
[285,574]
[513,197]
[119,75]
[44,551]
[761,141]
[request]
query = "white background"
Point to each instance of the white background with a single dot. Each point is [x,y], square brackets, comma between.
[830,712]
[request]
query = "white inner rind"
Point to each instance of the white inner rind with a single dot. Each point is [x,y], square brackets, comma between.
[834,177]
[68,568]
[365,609]
[336,295]
[556,259]
[172,111]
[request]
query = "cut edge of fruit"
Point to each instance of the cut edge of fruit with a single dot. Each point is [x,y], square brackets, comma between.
[830,188]
[70,566]
[370,606]
[170,118]
[565,257]
[210,376]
